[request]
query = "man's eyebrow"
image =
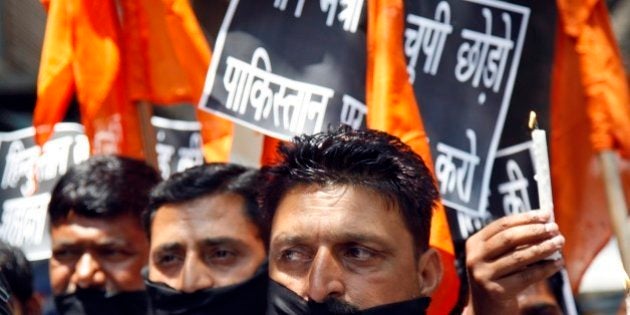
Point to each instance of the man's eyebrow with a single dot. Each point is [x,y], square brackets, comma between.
[289,239]
[66,244]
[342,236]
[111,242]
[174,246]
[218,241]
[358,237]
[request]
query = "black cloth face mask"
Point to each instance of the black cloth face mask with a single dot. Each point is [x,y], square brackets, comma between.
[282,301]
[249,297]
[97,301]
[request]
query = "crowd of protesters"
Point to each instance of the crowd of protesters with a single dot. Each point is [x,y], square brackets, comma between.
[340,225]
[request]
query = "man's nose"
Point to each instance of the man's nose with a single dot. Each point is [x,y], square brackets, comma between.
[88,272]
[194,276]
[325,277]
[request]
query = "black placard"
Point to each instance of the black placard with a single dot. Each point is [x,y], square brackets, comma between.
[468,61]
[178,144]
[24,201]
[286,67]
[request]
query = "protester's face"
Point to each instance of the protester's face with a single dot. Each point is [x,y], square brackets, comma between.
[97,253]
[349,244]
[205,243]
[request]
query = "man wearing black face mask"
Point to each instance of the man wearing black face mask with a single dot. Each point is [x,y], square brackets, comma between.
[98,246]
[350,215]
[343,205]
[207,243]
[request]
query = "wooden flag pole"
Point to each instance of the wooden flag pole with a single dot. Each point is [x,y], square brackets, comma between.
[145,111]
[247,146]
[617,206]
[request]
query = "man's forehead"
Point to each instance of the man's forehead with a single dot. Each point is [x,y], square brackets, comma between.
[208,219]
[74,217]
[336,192]
[108,229]
[342,200]
[339,212]
[210,206]
[71,234]
[206,211]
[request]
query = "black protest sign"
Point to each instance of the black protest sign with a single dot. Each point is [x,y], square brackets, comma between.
[287,67]
[513,186]
[178,144]
[514,190]
[468,60]
[28,175]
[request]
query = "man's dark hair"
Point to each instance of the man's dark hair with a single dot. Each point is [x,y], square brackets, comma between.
[206,180]
[365,158]
[16,270]
[103,187]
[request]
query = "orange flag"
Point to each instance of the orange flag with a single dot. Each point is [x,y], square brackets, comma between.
[165,38]
[115,56]
[590,112]
[190,47]
[55,83]
[81,53]
[392,108]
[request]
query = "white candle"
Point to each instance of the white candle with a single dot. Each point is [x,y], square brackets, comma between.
[541,167]
[542,173]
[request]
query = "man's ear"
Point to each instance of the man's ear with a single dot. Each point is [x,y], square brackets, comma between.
[429,271]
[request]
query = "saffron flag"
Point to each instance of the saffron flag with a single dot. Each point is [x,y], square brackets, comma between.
[115,56]
[392,108]
[590,112]
[75,31]
[168,41]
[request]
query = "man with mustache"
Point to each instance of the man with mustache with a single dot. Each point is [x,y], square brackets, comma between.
[350,215]
[207,241]
[98,247]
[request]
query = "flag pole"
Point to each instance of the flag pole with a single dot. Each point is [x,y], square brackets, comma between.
[145,111]
[247,146]
[617,206]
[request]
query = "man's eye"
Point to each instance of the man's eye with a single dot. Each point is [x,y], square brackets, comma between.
[221,256]
[294,256]
[114,254]
[166,259]
[359,253]
[67,254]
